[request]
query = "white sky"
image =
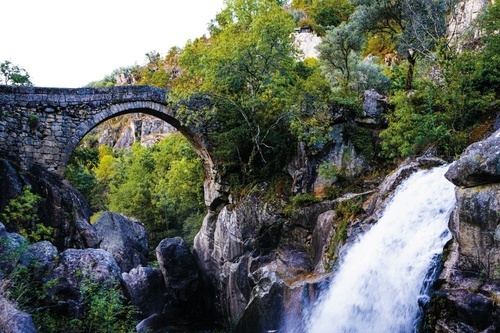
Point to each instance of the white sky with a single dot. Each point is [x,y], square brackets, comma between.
[69,43]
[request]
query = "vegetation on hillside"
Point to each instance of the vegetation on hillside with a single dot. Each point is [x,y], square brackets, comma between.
[161,185]
[442,92]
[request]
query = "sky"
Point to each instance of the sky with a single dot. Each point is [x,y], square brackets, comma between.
[68,44]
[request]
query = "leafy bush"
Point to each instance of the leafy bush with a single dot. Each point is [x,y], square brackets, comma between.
[21,214]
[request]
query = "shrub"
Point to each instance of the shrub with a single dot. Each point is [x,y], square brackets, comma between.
[21,214]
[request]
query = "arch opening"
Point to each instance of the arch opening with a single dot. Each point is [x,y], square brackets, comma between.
[162,184]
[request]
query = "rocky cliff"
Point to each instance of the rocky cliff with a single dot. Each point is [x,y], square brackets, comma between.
[467,295]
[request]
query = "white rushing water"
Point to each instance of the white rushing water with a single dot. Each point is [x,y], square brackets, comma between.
[377,285]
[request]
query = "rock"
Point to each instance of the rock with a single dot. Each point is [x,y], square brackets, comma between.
[13,320]
[125,238]
[179,268]
[468,289]
[478,165]
[299,170]
[374,105]
[306,43]
[78,268]
[62,207]
[463,311]
[265,309]
[322,235]
[146,289]
[295,261]
[477,219]
[12,247]
[41,256]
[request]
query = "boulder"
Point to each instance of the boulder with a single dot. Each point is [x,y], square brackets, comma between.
[266,307]
[12,247]
[125,238]
[14,321]
[78,268]
[146,289]
[41,256]
[374,106]
[179,268]
[479,164]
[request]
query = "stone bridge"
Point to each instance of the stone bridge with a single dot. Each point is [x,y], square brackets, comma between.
[44,125]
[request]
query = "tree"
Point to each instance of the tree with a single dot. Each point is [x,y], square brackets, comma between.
[342,64]
[338,53]
[416,25]
[246,69]
[11,74]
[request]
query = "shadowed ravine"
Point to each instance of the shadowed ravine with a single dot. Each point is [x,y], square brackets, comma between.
[377,286]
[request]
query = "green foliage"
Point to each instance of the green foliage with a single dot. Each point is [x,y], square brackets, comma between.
[11,74]
[80,172]
[247,72]
[21,213]
[338,54]
[33,120]
[415,125]
[329,13]
[328,171]
[363,141]
[303,200]
[160,185]
[346,211]
[105,309]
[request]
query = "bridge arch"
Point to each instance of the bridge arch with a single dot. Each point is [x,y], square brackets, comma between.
[155,109]
[44,125]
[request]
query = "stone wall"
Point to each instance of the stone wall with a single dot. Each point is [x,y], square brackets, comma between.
[44,125]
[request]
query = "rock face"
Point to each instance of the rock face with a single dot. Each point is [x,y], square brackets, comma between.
[146,289]
[268,266]
[123,133]
[340,155]
[172,295]
[306,42]
[466,299]
[62,207]
[125,238]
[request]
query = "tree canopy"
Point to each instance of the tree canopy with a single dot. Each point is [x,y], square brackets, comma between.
[11,74]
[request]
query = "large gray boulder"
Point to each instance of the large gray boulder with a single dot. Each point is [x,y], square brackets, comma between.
[41,257]
[478,165]
[125,238]
[146,289]
[179,268]
[76,270]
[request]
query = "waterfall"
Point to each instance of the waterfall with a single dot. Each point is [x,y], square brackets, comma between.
[377,285]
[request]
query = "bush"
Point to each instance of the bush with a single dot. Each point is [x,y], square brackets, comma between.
[21,214]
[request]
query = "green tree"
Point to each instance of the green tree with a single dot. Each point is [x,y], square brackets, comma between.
[416,26]
[247,71]
[11,74]
[161,185]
